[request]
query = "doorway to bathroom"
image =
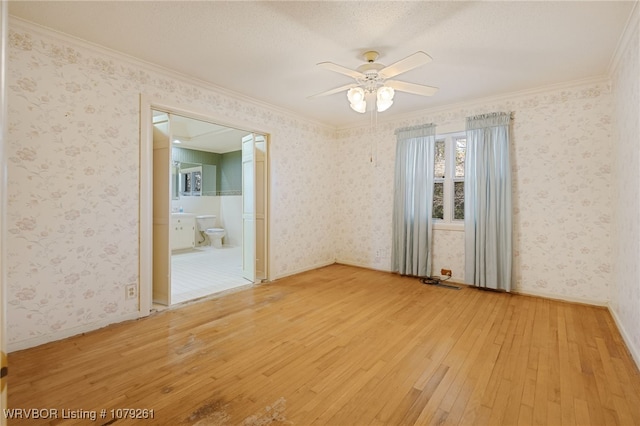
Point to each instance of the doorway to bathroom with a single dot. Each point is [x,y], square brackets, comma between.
[209,208]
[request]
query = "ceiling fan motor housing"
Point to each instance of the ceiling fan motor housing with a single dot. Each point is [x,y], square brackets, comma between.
[371,79]
[370,56]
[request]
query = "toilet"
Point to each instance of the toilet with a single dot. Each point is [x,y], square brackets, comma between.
[206,224]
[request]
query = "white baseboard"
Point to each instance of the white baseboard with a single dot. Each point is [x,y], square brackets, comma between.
[305,269]
[635,352]
[63,334]
[562,297]
[360,265]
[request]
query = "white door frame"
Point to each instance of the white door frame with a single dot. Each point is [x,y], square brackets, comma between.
[4,31]
[162,223]
[249,207]
[147,105]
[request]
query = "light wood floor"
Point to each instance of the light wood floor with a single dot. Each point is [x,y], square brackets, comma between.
[345,346]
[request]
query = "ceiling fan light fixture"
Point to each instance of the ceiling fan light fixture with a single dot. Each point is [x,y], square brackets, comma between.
[385,93]
[357,100]
[355,95]
[360,107]
[384,98]
[383,105]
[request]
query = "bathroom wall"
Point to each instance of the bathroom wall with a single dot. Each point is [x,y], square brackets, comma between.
[73,152]
[231,219]
[229,167]
[186,155]
[562,171]
[197,205]
[231,173]
[210,182]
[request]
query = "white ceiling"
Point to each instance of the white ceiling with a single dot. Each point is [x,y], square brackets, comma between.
[269,50]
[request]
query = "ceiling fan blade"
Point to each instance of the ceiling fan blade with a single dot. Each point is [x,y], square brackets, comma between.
[332,91]
[417,89]
[340,69]
[410,62]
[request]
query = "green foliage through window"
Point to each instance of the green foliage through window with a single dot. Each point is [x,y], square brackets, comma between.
[458,200]
[438,200]
[448,173]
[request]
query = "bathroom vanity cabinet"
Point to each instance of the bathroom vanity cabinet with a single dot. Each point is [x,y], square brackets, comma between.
[183,231]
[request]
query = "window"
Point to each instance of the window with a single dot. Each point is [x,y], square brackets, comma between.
[448,186]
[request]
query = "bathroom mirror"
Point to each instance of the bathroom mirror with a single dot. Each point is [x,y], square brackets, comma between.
[193,179]
[190,179]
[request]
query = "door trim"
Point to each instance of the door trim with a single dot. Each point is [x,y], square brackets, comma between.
[147,104]
[4,31]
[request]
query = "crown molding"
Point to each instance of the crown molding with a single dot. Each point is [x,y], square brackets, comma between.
[603,80]
[632,23]
[16,23]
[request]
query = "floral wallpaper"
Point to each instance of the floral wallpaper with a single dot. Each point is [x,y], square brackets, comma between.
[73,167]
[73,176]
[562,192]
[625,294]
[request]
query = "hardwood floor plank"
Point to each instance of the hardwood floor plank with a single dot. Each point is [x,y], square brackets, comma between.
[567,378]
[474,405]
[542,368]
[481,354]
[582,412]
[525,416]
[343,346]
[518,363]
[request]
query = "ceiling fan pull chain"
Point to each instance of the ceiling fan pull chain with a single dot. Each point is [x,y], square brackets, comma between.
[371,136]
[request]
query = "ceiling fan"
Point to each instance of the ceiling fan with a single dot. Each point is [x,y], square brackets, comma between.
[372,80]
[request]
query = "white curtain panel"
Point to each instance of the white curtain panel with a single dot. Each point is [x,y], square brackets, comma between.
[413,201]
[487,206]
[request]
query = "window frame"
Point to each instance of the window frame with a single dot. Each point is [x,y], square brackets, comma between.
[448,222]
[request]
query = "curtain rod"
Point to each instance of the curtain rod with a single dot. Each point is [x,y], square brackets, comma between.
[418,127]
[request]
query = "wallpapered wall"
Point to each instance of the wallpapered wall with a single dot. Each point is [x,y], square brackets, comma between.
[562,191]
[625,294]
[73,185]
[73,165]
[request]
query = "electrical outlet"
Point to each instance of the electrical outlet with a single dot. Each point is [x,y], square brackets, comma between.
[446,272]
[380,253]
[131,291]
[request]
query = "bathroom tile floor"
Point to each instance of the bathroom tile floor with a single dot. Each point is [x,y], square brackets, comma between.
[204,271]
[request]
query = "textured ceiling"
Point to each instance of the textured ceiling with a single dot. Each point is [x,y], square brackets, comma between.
[269,50]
